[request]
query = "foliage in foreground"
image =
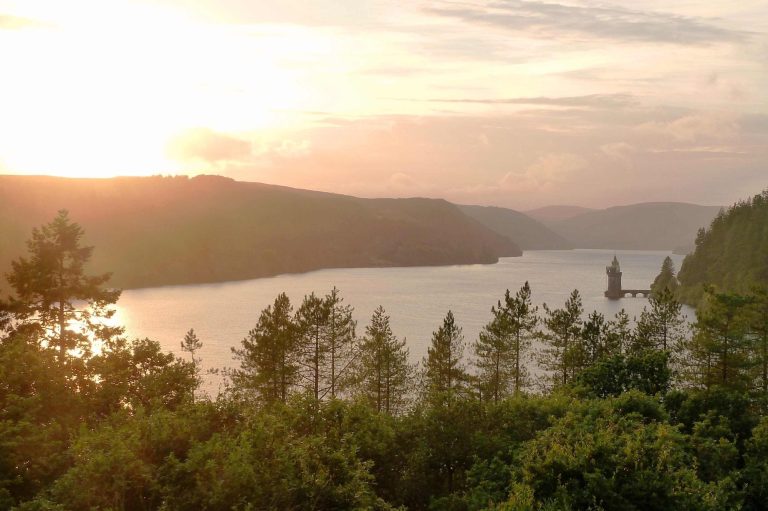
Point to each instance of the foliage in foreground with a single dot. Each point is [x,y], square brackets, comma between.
[653,417]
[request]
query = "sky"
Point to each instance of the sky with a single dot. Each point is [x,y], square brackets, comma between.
[511,103]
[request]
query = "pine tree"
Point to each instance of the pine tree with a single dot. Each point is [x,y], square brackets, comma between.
[619,335]
[758,327]
[596,342]
[503,345]
[383,370]
[445,376]
[268,364]
[342,345]
[663,326]
[666,278]
[720,348]
[54,298]
[311,325]
[563,352]
[191,344]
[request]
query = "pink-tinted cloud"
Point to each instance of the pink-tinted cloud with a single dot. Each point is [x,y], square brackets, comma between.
[202,144]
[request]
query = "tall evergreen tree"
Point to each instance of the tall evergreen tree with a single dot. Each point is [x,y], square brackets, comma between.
[192,344]
[563,352]
[383,370]
[620,334]
[758,326]
[445,376]
[342,348]
[594,335]
[720,347]
[311,326]
[666,279]
[663,326]
[502,345]
[268,364]
[54,297]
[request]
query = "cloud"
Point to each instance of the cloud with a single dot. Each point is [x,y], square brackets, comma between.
[618,150]
[546,19]
[692,128]
[547,171]
[591,100]
[9,22]
[203,144]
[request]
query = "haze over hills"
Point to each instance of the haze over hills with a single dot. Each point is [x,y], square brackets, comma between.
[527,233]
[645,226]
[556,213]
[154,231]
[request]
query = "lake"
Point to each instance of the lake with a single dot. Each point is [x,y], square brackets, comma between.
[416,298]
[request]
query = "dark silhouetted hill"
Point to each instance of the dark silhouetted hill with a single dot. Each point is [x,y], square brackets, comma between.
[527,233]
[647,226]
[154,231]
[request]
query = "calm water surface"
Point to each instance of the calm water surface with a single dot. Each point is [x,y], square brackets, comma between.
[417,299]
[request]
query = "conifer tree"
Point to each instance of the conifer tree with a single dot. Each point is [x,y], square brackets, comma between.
[758,326]
[383,370]
[311,325]
[720,348]
[445,376]
[502,345]
[54,298]
[663,326]
[342,348]
[666,279]
[620,334]
[563,351]
[594,335]
[268,364]
[191,344]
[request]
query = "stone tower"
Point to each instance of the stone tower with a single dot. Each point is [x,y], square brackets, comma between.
[614,280]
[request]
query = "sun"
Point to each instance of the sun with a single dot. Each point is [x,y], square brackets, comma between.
[104,95]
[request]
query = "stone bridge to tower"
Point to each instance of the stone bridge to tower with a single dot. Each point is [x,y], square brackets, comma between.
[615,291]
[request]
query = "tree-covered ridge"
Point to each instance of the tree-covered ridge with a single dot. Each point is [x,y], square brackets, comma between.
[732,253]
[646,416]
[154,231]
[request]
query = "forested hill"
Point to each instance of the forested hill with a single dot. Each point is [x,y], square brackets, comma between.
[732,253]
[154,231]
[646,226]
[528,233]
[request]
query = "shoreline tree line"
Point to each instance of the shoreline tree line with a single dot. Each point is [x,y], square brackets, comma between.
[648,414]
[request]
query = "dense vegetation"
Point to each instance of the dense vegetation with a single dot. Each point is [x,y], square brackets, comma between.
[614,416]
[732,253]
[174,230]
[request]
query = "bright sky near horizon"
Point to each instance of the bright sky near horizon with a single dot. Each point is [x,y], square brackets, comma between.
[507,102]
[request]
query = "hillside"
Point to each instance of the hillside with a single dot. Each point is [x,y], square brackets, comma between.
[647,226]
[732,253]
[154,231]
[527,233]
[556,213]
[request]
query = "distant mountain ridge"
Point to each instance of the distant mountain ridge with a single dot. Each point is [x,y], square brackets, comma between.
[644,226]
[527,233]
[153,231]
[556,213]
